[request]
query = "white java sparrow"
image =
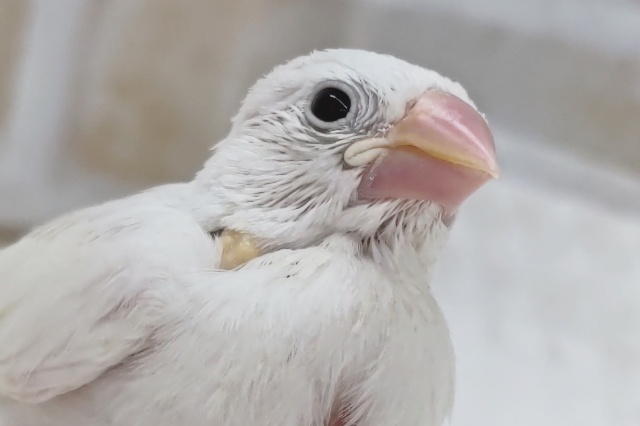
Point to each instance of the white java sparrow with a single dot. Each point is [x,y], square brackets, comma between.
[345,168]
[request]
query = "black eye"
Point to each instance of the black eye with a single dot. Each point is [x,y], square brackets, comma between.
[330,105]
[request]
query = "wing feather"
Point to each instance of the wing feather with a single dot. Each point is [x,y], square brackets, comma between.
[83,293]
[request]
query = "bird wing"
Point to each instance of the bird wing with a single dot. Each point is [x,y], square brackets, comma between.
[83,293]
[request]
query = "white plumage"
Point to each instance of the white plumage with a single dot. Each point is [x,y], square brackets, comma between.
[119,315]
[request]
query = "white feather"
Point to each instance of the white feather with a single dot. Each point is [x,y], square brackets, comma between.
[278,343]
[84,292]
[117,314]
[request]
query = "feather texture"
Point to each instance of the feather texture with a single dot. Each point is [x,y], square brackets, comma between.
[83,293]
[121,314]
[279,342]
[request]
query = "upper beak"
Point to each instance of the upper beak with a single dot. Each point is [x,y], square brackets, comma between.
[447,128]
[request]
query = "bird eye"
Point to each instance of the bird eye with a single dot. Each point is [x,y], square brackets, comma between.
[330,104]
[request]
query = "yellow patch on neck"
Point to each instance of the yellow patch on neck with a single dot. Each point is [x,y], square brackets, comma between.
[237,249]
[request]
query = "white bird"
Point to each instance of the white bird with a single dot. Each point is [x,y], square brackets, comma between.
[345,167]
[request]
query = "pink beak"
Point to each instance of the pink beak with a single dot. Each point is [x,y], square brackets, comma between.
[441,151]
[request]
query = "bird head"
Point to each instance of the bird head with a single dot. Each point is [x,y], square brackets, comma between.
[353,142]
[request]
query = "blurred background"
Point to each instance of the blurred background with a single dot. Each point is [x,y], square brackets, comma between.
[541,281]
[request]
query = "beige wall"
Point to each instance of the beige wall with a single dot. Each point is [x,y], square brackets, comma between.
[140,91]
[160,79]
[13,20]
[153,86]
[143,88]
